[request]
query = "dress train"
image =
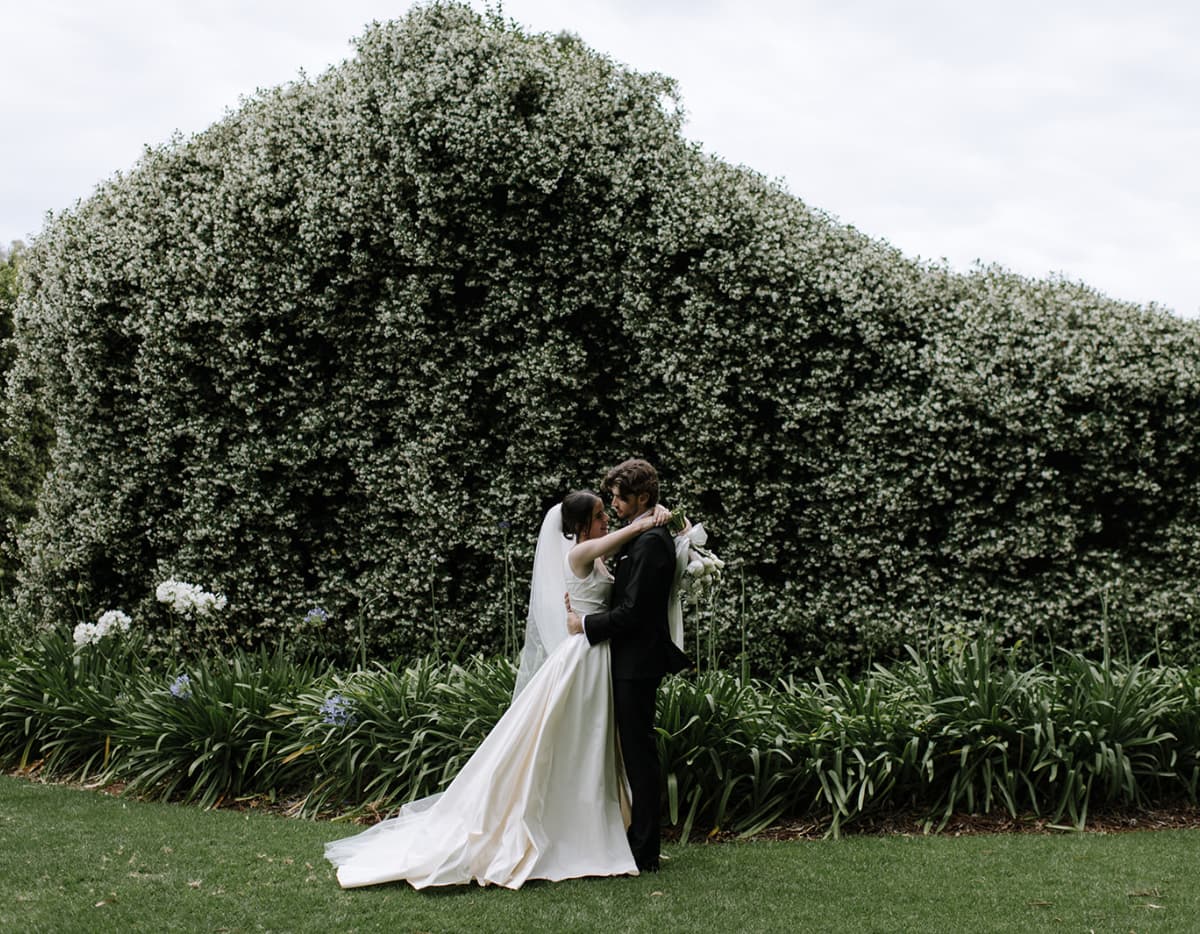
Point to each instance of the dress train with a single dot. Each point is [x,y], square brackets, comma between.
[543,796]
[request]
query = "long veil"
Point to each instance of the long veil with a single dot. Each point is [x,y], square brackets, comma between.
[546,625]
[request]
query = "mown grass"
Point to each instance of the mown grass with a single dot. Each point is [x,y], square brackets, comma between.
[76,860]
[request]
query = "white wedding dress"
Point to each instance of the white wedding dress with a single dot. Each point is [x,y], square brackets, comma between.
[543,797]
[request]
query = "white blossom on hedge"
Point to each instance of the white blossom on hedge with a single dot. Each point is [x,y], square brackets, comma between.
[309,350]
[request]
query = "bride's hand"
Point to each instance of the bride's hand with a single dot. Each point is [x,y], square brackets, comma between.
[662,515]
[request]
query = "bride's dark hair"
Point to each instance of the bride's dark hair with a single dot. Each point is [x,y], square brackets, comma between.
[577,509]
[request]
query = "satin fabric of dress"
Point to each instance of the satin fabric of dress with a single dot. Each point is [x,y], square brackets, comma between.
[541,798]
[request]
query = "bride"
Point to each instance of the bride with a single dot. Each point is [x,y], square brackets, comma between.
[544,795]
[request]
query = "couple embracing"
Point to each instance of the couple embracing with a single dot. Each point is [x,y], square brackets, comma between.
[550,793]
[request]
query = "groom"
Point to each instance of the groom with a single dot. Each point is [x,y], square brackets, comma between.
[642,650]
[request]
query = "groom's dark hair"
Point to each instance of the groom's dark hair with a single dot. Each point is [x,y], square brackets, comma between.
[632,478]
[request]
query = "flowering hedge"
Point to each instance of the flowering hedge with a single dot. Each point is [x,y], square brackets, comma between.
[24,437]
[344,347]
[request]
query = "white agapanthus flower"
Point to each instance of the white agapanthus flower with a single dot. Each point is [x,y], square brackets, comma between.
[186,599]
[113,619]
[109,622]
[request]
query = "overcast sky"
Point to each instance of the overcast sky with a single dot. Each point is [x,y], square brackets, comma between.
[1050,137]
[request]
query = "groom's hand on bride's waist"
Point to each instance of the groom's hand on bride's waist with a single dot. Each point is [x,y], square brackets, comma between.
[574,620]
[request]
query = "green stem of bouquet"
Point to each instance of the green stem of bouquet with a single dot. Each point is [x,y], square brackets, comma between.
[745,660]
[362,631]
[1104,630]
[712,626]
[437,639]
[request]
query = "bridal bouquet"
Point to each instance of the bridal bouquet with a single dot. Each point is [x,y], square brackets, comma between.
[695,561]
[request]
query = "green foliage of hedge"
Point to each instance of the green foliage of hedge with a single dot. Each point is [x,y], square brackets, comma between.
[24,436]
[317,353]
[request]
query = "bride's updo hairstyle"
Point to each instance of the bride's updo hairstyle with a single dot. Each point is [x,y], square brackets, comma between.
[577,509]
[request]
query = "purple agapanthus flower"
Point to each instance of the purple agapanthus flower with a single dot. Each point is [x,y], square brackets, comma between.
[337,710]
[181,688]
[318,614]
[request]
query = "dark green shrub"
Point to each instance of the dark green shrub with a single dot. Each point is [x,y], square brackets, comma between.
[343,419]
[317,355]
[724,753]
[60,703]
[208,734]
[24,432]
[968,732]
[378,738]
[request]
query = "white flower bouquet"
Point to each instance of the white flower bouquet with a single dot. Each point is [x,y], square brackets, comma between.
[694,561]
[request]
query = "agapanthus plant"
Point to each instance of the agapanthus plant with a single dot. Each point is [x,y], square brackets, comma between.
[338,710]
[181,688]
[111,621]
[188,599]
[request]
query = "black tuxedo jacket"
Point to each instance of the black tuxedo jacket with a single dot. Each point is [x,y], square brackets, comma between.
[636,622]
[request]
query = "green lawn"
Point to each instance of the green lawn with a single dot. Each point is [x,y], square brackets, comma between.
[80,861]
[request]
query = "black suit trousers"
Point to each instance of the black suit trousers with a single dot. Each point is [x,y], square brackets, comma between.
[634,707]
